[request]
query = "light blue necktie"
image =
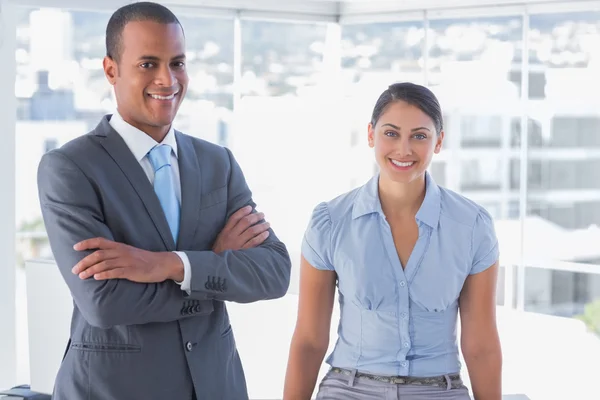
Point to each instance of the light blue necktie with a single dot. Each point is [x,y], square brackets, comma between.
[164,185]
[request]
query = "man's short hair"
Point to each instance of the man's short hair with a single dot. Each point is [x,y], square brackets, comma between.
[135,12]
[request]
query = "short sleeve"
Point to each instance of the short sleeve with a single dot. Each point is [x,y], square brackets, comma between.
[485,243]
[316,244]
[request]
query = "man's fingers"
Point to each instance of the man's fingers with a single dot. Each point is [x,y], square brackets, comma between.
[246,222]
[254,231]
[236,217]
[256,240]
[117,273]
[101,267]
[92,259]
[95,243]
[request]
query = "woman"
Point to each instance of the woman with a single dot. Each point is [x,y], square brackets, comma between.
[406,255]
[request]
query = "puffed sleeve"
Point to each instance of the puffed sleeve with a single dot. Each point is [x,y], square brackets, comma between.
[316,244]
[484,242]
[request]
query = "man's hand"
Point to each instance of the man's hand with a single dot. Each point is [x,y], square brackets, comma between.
[242,231]
[112,260]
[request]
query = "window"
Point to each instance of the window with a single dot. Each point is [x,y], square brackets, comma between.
[481,131]
[50,144]
[281,58]
[207,111]
[476,54]
[284,135]
[298,139]
[579,132]
[562,165]
[481,174]
[438,173]
[471,68]
[383,53]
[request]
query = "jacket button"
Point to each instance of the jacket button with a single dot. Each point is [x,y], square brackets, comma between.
[189,346]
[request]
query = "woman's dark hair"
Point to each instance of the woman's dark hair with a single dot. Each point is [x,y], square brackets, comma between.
[416,95]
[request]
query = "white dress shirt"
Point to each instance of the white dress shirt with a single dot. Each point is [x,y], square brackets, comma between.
[140,144]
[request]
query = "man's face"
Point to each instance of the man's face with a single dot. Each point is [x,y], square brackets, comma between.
[150,80]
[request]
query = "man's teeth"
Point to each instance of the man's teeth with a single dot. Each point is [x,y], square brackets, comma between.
[403,164]
[157,97]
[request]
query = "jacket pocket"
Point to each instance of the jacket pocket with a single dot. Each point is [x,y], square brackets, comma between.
[106,347]
[214,197]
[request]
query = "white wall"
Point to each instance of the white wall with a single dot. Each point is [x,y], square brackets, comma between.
[8,107]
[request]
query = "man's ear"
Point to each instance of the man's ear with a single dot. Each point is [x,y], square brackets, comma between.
[111,69]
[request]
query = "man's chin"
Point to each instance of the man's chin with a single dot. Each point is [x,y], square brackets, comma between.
[162,122]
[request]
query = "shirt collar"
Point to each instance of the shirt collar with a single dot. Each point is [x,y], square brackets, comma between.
[139,142]
[367,201]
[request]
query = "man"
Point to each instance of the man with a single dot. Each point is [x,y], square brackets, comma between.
[153,231]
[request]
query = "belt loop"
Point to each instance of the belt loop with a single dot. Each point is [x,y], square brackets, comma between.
[448,382]
[352,377]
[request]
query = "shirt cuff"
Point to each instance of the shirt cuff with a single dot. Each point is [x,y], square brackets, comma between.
[187,272]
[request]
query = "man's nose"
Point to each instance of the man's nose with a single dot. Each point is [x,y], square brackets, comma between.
[166,77]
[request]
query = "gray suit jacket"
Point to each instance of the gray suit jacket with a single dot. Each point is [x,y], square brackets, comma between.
[134,341]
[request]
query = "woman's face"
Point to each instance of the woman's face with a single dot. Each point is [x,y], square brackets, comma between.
[404,139]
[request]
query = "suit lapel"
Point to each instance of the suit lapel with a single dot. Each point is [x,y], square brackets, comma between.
[190,176]
[114,144]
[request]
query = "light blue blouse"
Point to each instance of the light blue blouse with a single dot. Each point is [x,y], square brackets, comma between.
[396,321]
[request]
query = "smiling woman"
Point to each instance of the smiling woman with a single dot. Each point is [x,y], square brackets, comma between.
[406,255]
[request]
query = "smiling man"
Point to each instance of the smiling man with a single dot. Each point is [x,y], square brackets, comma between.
[153,231]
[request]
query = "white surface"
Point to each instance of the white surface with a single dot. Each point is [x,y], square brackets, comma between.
[545,357]
[49,309]
[263,332]
[8,106]
[536,348]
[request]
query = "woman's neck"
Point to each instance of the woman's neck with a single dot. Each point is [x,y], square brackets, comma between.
[401,200]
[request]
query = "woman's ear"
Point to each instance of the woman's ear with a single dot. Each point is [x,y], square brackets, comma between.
[371,135]
[438,144]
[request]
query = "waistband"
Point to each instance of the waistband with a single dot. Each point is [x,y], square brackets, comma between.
[452,381]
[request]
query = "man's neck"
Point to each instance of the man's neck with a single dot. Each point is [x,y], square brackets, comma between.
[158,133]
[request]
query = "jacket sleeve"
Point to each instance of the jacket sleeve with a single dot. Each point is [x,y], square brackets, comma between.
[246,275]
[72,212]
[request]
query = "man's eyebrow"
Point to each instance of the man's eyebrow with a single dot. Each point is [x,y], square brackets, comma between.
[155,58]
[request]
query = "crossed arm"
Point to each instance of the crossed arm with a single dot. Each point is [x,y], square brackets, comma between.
[113,260]
[116,284]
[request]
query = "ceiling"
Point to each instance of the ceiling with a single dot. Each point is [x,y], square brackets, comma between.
[346,11]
